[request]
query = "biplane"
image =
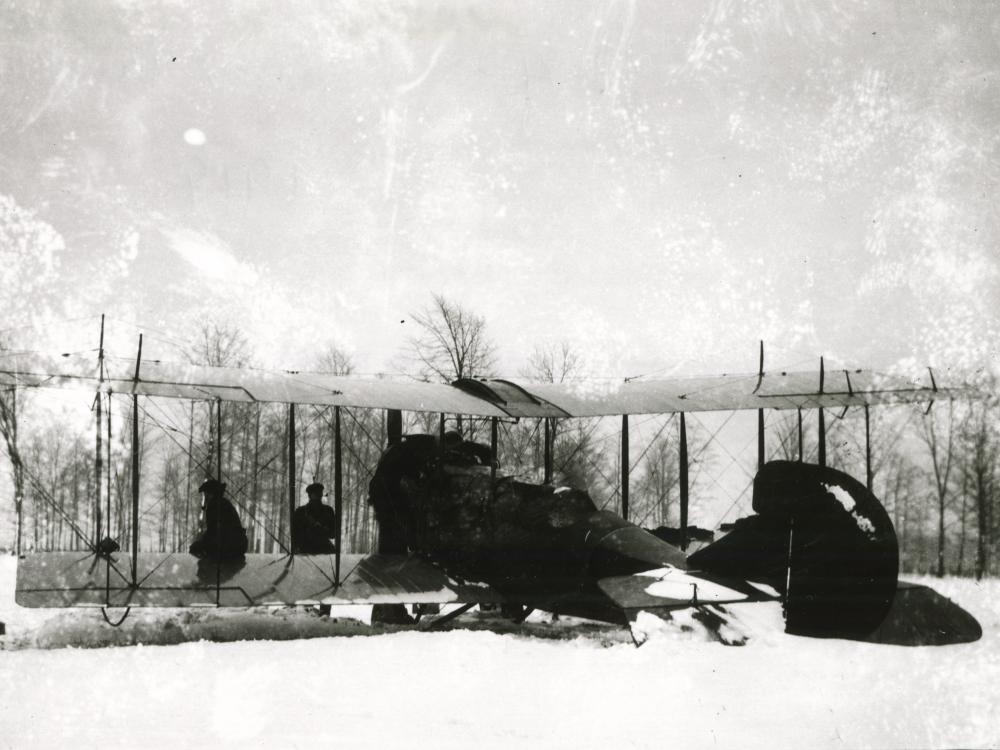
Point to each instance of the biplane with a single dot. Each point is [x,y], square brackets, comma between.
[454,530]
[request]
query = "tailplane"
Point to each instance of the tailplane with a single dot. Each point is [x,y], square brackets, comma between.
[826,544]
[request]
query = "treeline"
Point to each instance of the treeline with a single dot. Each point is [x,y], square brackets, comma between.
[935,469]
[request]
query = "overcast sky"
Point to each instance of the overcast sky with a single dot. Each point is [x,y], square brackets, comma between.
[660,184]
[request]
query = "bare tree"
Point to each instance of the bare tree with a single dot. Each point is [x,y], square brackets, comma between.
[333,360]
[658,489]
[938,436]
[552,363]
[8,428]
[783,435]
[451,342]
[220,345]
[980,469]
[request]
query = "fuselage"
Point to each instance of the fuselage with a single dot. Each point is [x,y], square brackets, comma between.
[534,543]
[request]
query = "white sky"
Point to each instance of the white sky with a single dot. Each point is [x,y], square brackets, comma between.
[660,185]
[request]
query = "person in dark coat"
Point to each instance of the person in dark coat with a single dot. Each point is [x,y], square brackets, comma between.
[314,525]
[222,536]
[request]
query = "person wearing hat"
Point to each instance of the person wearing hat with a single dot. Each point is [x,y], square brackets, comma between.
[222,536]
[314,525]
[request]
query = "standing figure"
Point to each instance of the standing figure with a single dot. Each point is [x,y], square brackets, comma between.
[314,525]
[222,536]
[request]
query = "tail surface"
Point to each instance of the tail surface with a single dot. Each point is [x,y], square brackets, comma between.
[827,545]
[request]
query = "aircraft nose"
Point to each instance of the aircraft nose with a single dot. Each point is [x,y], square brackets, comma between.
[615,547]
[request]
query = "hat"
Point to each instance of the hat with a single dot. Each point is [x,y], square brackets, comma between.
[212,487]
[314,487]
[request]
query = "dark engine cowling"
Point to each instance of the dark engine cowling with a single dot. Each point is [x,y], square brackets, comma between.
[822,540]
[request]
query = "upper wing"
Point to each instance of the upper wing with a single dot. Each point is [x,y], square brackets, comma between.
[175,380]
[485,398]
[781,390]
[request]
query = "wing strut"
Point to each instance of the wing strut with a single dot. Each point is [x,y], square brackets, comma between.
[868,450]
[684,482]
[822,420]
[338,490]
[291,473]
[800,433]
[547,471]
[760,412]
[494,426]
[218,438]
[760,368]
[135,468]
[625,463]
[394,426]
[760,439]
[99,455]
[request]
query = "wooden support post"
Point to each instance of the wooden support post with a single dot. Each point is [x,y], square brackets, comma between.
[338,489]
[684,482]
[625,466]
[393,426]
[547,470]
[291,473]
[868,450]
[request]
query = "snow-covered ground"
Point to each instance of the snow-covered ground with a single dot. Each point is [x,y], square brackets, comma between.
[479,688]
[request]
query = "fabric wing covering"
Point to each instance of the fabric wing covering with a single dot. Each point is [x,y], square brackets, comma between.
[490,398]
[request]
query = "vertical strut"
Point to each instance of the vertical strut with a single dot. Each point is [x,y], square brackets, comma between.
[822,438]
[338,488]
[800,434]
[135,467]
[393,426]
[291,473]
[99,423]
[547,470]
[98,468]
[625,466]
[684,482]
[18,484]
[760,412]
[19,498]
[107,566]
[108,486]
[760,439]
[218,438]
[822,420]
[868,451]
[760,368]
[494,438]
